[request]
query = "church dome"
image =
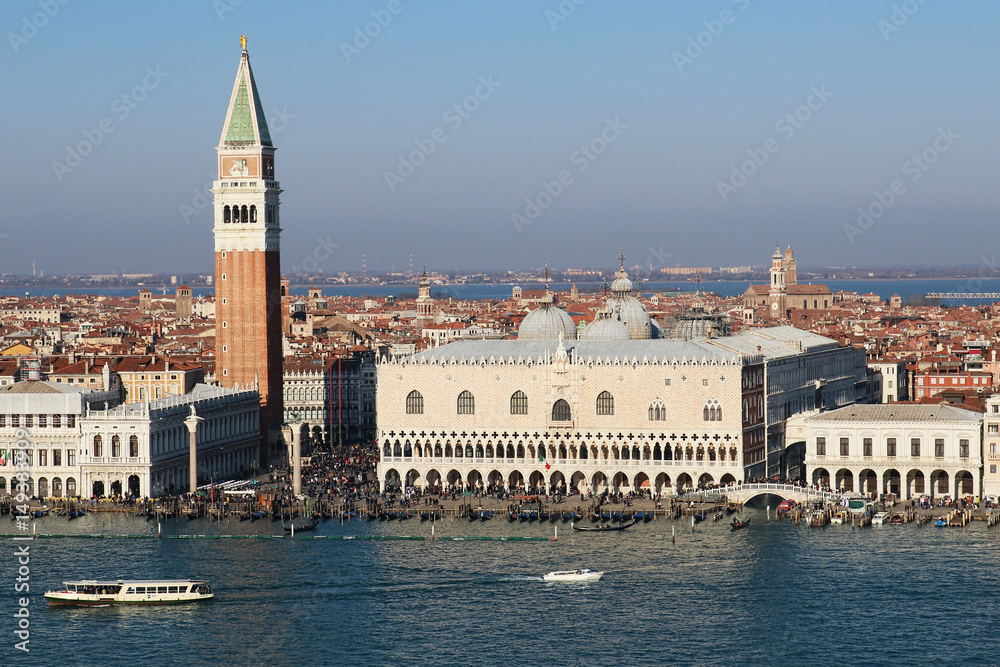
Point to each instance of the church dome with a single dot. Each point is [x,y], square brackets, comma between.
[629,311]
[621,283]
[605,327]
[546,323]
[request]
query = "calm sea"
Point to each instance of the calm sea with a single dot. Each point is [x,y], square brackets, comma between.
[884,288]
[772,594]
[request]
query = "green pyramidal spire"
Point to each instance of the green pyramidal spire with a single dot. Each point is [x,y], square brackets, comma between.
[245,122]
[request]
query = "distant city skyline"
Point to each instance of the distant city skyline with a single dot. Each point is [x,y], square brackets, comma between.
[500,136]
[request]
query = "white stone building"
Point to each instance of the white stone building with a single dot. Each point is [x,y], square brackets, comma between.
[144,448]
[587,415]
[82,444]
[991,448]
[908,450]
[894,379]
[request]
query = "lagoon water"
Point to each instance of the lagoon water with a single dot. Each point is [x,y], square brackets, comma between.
[907,289]
[774,593]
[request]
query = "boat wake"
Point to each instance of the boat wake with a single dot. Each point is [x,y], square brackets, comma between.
[522,577]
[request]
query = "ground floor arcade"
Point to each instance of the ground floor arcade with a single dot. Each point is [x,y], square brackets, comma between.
[904,482]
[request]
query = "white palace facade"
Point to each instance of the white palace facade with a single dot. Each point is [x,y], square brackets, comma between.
[585,415]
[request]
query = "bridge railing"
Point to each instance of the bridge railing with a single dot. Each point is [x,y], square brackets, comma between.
[778,489]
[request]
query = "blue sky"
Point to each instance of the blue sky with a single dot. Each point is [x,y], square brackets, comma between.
[670,120]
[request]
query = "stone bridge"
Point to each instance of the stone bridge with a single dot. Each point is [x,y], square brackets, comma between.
[741,493]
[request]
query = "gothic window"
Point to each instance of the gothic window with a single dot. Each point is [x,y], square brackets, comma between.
[519,403]
[414,403]
[466,403]
[561,411]
[712,412]
[605,403]
[657,411]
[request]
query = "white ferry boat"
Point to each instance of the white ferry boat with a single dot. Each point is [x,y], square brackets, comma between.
[573,575]
[153,591]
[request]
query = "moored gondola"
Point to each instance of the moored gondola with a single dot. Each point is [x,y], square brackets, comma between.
[603,527]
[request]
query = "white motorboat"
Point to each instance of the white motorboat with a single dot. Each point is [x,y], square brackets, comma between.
[91,592]
[573,575]
[880,518]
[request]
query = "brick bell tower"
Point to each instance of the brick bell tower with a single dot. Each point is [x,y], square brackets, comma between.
[247,257]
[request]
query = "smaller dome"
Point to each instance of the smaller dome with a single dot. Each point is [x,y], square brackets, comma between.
[621,283]
[605,327]
[546,323]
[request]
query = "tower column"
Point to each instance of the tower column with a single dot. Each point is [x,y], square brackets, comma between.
[297,458]
[192,426]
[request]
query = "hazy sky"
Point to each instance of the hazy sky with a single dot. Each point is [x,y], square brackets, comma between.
[671,101]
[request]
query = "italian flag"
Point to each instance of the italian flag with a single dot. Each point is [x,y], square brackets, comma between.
[541,459]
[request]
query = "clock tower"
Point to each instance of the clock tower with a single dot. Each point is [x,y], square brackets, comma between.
[247,258]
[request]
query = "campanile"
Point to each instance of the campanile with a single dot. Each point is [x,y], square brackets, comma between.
[247,255]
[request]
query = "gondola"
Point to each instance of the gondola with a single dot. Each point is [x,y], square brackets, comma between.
[305,526]
[258,515]
[602,528]
[486,516]
[731,508]
[650,515]
[73,514]
[736,525]
[244,516]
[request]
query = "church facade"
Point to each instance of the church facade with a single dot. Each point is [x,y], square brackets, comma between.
[784,292]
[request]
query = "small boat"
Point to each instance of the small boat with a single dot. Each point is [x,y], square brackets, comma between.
[940,523]
[602,527]
[838,517]
[244,516]
[303,527]
[258,515]
[73,514]
[486,516]
[573,575]
[102,593]
[896,519]
[650,515]
[736,525]
[731,508]
[880,518]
